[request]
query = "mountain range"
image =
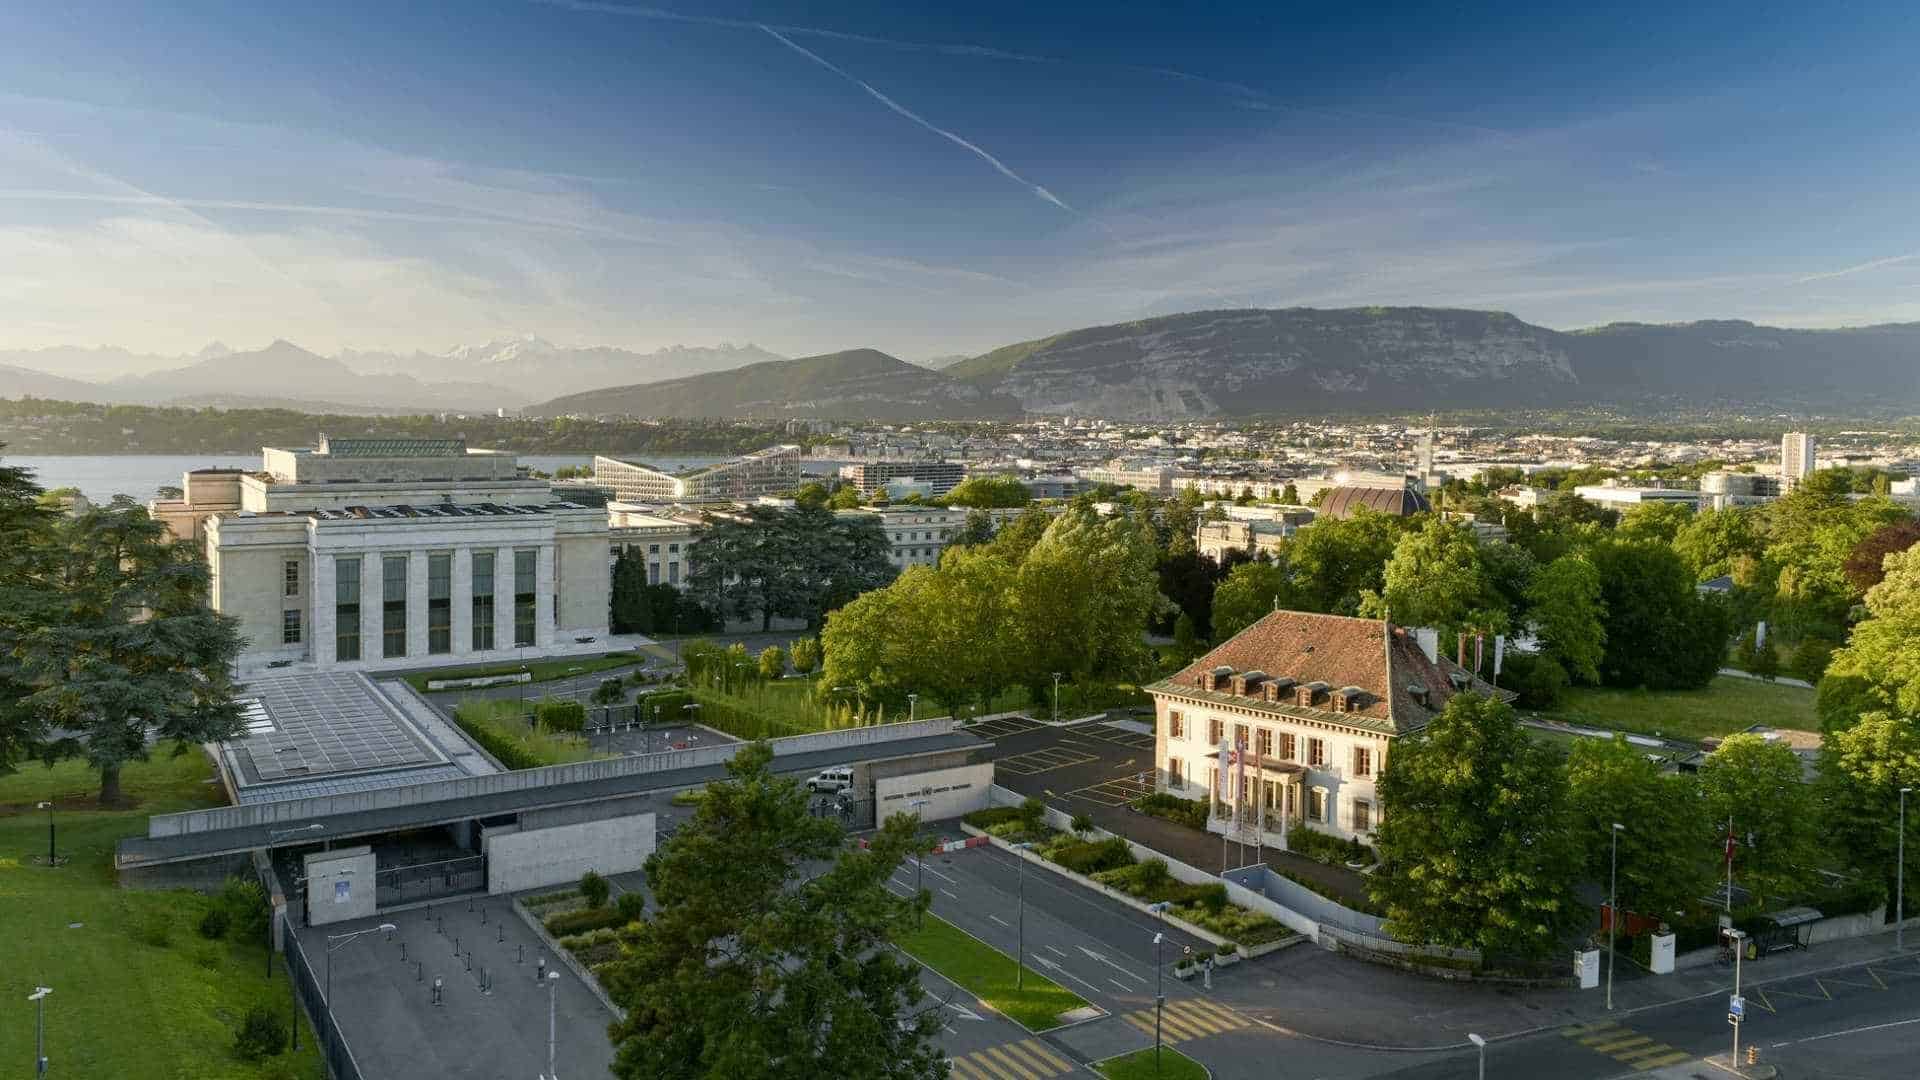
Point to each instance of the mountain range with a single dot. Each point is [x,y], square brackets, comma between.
[1245,362]
[499,374]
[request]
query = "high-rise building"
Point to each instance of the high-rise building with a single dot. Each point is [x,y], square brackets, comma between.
[1796,459]
[939,476]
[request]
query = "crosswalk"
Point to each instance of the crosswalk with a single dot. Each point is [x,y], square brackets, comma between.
[1637,1052]
[1028,1059]
[1188,1018]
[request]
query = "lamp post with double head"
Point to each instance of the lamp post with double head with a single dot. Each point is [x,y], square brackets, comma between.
[919,853]
[341,941]
[39,999]
[1613,902]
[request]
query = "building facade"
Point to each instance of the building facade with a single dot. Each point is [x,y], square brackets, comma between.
[936,478]
[1305,709]
[1622,497]
[1723,490]
[386,553]
[918,534]
[771,471]
[662,538]
[1796,459]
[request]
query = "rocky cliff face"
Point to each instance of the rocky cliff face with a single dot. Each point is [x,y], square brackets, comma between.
[1215,363]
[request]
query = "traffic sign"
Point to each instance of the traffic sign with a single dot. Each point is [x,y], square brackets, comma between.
[1736,1008]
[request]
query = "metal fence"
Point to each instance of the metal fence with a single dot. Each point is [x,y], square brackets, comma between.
[334,1050]
[430,881]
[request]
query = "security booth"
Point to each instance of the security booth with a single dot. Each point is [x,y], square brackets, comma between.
[1788,928]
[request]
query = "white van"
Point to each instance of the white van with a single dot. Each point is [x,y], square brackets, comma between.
[831,781]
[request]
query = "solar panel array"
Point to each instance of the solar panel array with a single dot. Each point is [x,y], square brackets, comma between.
[326,724]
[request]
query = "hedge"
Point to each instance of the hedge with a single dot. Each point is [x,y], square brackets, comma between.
[1090,857]
[504,747]
[991,816]
[580,922]
[1189,812]
[569,716]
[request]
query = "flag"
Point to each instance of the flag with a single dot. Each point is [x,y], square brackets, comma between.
[1479,651]
[1462,658]
[1239,782]
[1731,844]
[1499,652]
[1224,775]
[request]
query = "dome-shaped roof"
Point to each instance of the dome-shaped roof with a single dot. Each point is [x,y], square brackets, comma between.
[1344,502]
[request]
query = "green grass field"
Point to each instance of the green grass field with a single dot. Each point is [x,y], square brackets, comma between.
[541,670]
[1138,1065]
[123,1004]
[1727,705]
[503,729]
[987,973]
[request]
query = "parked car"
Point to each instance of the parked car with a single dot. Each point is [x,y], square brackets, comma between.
[831,781]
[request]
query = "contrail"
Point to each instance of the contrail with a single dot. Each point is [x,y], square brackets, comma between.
[918,119]
[1861,268]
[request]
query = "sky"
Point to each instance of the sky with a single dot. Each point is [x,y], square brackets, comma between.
[818,176]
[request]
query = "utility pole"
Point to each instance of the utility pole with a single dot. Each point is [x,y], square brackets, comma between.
[1613,903]
[1900,880]
[553,984]
[39,999]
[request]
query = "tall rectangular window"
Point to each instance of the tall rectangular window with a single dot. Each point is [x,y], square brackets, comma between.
[1362,761]
[1317,805]
[440,603]
[1216,730]
[1263,743]
[523,604]
[1176,729]
[393,606]
[290,578]
[482,601]
[1317,753]
[673,573]
[346,607]
[1287,747]
[290,626]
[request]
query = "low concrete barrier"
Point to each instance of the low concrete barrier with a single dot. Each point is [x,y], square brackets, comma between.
[477,681]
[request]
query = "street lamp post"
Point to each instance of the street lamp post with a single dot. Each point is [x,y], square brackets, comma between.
[1739,950]
[1613,902]
[341,941]
[919,854]
[52,858]
[274,836]
[1056,697]
[553,987]
[1020,920]
[1159,981]
[1480,1044]
[1900,879]
[39,999]
[913,704]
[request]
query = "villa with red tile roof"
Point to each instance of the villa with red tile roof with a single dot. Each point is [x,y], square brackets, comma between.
[1305,709]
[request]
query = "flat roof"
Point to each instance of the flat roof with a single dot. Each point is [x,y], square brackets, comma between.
[326,733]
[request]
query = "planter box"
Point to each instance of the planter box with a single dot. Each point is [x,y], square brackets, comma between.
[1228,960]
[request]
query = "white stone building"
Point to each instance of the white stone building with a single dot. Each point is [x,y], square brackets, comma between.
[391,553]
[1312,704]
[771,471]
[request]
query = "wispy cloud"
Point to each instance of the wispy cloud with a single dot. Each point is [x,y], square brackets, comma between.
[1858,268]
[883,99]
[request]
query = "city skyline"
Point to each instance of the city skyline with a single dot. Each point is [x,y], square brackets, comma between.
[809,180]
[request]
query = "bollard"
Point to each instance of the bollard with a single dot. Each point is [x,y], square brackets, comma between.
[403,952]
[468,959]
[437,990]
[483,914]
[419,971]
[502,927]
[520,956]
[540,973]
[456,944]
[439,926]
[469,905]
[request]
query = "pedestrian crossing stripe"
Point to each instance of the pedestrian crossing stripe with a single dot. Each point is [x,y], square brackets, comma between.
[1623,1044]
[1028,1059]
[1189,1018]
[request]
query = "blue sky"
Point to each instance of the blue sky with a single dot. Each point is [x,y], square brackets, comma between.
[817,176]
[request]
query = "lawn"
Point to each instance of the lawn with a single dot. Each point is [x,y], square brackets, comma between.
[1138,1065]
[136,990]
[776,708]
[505,732]
[541,670]
[162,785]
[1728,704]
[987,973]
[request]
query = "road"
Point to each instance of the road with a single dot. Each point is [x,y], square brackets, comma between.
[1856,1022]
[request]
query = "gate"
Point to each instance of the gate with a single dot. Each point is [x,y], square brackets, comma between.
[430,881]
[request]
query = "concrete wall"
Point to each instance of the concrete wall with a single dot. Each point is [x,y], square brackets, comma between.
[248,586]
[201,875]
[519,858]
[340,885]
[1291,894]
[583,583]
[949,792]
[862,740]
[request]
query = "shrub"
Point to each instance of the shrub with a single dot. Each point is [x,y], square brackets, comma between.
[993,815]
[262,1035]
[245,903]
[631,906]
[1082,823]
[566,716]
[1189,812]
[1315,845]
[1033,812]
[1540,680]
[595,889]
[1092,856]
[1857,898]
[610,692]
[1810,659]
[773,662]
[213,924]
[804,655]
[156,931]
[579,922]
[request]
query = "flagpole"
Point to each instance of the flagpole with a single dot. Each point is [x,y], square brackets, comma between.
[1729,864]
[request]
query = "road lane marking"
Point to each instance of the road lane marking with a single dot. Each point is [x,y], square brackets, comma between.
[999,920]
[1855,1031]
[1672,1057]
[1124,988]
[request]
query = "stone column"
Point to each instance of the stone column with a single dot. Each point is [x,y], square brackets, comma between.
[320,598]
[503,599]
[417,603]
[460,587]
[546,611]
[373,595]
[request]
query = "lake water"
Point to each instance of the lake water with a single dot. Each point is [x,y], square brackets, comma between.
[102,476]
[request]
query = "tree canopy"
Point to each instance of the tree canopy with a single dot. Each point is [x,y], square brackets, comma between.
[799,563]
[1569,616]
[758,963]
[1664,863]
[989,492]
[1756,784]
[1437,578]
[1474,836]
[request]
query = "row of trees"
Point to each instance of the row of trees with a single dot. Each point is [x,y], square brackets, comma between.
[1488,834]
[105,636]
[1069,594]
